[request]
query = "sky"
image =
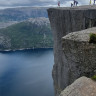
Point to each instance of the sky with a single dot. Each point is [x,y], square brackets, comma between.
[36,3]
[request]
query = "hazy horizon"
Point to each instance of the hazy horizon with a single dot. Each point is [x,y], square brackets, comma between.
[38,3]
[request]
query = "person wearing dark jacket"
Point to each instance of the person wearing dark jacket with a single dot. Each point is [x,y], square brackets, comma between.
[76,3]
[71,4]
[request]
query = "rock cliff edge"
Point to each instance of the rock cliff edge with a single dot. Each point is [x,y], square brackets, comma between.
[72,54]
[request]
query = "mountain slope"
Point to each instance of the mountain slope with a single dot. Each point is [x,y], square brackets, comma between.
[33,33]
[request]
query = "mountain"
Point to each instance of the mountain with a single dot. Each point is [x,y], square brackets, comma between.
[22,13]
[32,33]
[6,24]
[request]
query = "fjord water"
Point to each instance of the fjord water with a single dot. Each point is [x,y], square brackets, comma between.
[26,73]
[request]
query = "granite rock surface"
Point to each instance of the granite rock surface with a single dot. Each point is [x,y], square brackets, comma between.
[65,20]
[81,87]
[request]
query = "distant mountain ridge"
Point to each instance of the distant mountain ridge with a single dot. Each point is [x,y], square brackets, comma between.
[23,13]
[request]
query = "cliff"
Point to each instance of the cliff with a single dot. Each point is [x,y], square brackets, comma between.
[80,54]
[5,42]
[64,21]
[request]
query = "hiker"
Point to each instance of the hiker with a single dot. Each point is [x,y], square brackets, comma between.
[71,4]
[76,3]
[58,3]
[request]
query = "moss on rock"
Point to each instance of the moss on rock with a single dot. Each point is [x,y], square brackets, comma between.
[92,38]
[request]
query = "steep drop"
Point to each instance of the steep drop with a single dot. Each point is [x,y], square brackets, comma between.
[64,21]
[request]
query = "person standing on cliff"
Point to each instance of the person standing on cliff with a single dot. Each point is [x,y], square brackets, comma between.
[58,3]
[71,4]
[74,2]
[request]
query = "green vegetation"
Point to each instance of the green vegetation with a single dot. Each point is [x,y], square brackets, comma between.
[92,38]
[93,77]
[29,35]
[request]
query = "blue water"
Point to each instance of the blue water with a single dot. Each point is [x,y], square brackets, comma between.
[26,73]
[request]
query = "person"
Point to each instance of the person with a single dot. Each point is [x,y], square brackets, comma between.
[94,1]
[71,4]
[58,3]
[76,3]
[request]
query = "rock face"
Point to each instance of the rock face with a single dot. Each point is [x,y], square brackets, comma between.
[80,54]
[81,87]
[5,42]
[64,21]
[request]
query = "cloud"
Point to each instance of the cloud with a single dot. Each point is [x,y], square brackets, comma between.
[14,3]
